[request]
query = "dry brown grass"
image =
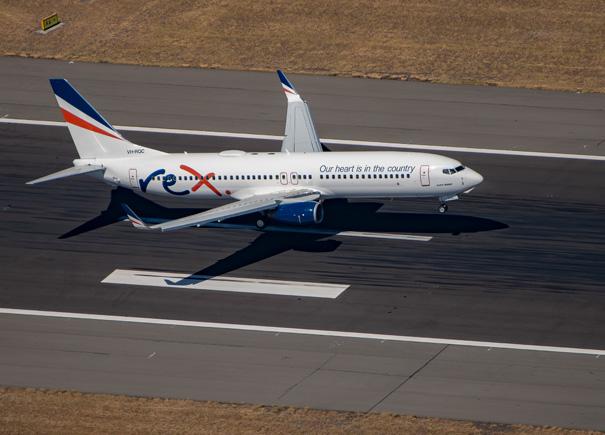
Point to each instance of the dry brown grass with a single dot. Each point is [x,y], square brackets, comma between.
[64,412]
[555,44]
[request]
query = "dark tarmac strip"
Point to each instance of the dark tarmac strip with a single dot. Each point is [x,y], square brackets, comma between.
[520,260]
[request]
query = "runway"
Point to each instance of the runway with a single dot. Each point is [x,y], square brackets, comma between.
[520,260]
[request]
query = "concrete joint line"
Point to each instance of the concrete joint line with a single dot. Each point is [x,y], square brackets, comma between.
[430,360]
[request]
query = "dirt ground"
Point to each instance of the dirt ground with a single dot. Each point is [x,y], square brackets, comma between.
[64,412]
[553,44]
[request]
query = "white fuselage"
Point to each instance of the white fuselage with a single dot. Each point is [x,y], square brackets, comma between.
[236,174]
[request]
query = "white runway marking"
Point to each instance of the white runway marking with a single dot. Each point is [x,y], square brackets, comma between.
[186,281]
[319,332]
[328,141]
[327,232]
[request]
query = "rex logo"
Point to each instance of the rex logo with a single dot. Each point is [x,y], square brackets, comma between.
[170,180]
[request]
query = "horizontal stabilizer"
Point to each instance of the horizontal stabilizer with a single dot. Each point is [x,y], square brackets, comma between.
[69,172]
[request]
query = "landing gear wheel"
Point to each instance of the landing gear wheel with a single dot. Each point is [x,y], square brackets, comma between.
[442,208]
[260,224]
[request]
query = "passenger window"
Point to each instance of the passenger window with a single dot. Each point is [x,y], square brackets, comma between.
[363,176]
[357,176]
[310,177]
[333,177]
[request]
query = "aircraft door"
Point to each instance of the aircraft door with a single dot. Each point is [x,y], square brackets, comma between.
[283,178]
[425,179]
[132,176]
[294,178]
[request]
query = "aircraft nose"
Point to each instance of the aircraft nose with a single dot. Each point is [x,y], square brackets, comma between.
[475,178]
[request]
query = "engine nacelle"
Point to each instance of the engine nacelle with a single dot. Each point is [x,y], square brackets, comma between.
[298,213]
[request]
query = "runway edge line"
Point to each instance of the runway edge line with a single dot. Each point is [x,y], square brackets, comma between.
[348,142]
[299,331]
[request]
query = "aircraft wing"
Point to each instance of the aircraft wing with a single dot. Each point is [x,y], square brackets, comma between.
[244,206]
[300,135]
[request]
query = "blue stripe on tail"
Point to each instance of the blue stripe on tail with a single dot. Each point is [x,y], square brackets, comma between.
[67,92]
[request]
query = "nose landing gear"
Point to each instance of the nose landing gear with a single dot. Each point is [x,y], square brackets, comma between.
[444,200]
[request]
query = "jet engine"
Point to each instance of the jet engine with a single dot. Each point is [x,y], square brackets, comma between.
[298,213]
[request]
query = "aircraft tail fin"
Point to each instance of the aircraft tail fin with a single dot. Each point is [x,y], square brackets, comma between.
[93,136]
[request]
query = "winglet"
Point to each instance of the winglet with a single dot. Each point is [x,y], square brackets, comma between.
[288,87]
[134,219]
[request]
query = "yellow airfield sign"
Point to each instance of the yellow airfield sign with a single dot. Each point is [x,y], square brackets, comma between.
[50,21]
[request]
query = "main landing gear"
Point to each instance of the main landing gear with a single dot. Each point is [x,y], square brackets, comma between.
[442,208]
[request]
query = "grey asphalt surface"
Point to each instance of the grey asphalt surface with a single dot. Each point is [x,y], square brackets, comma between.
[343,108]
[519,260]
[297,370]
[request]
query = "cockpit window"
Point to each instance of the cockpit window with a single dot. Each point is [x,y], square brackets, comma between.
[453,170]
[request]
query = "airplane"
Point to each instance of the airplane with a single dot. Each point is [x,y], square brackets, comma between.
[286,187]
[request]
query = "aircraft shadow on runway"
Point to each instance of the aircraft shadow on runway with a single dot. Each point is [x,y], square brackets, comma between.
[340,216]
